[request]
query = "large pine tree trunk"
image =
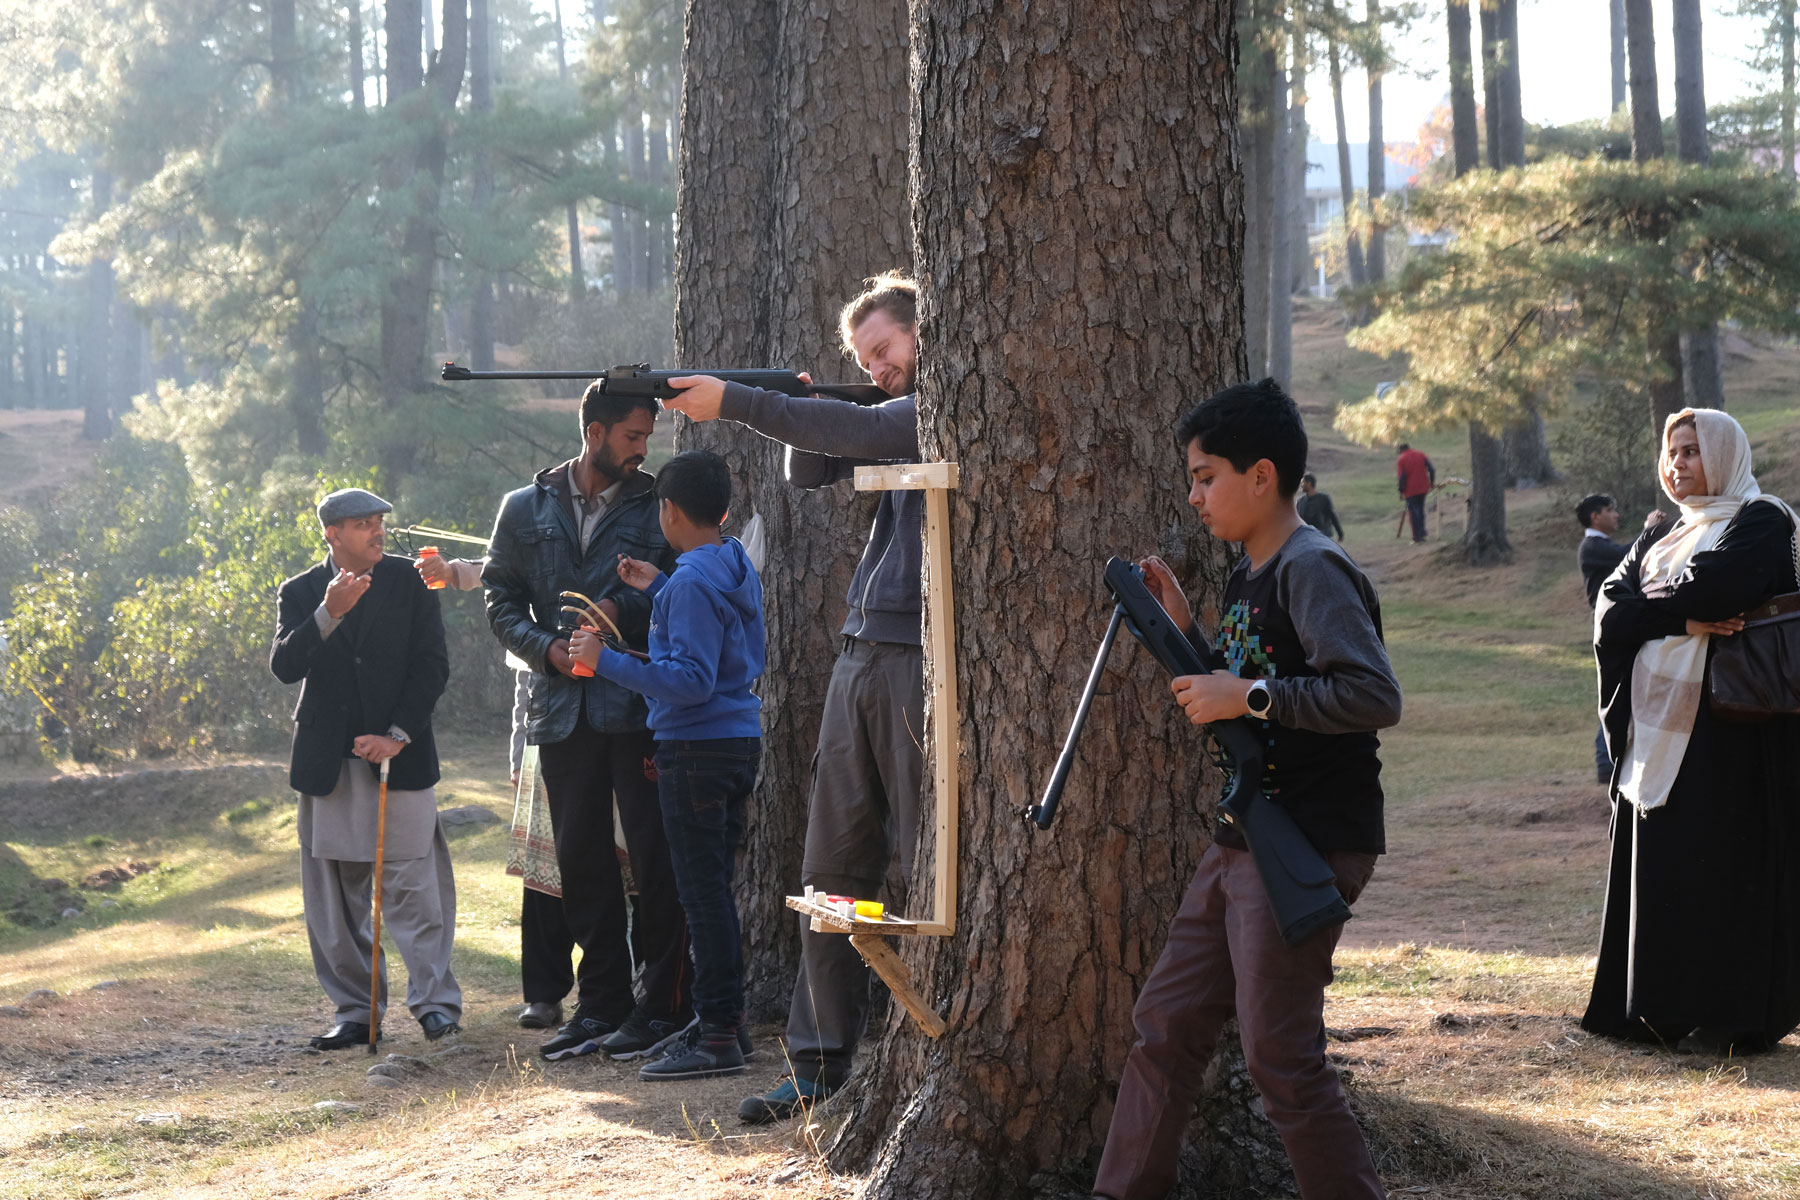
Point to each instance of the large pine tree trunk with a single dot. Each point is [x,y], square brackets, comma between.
[406,306]
[577,277]
[1490,81]
[95,358]
[1256,149]
[1702,386]
[353,11]
[1353,256]
[792,191]
[1786,16]
[1298,137]
[1377,265]
[481,187]
[1526,450]
[1618,55]
[1062,464]
[1465,139]
[1281,223]
[1646,145]
[1484,539]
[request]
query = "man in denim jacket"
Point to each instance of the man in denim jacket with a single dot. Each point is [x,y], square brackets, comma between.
[563,532]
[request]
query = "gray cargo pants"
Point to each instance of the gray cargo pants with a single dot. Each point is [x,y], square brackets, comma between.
[864,809]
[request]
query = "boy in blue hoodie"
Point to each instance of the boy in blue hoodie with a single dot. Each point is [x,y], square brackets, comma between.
[706,650]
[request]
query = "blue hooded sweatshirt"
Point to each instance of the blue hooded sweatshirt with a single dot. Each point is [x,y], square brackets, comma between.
[706,648]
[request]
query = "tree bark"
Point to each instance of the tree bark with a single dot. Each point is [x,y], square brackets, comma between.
[1353,255]
[1298,137]
[1646,145]
[1281,225]
[1646,109]
[406,305]
[765,259]
[481,186]
[1490,82]
[1702,385]
[1485,542]
[577,277]
[95,376]
[1618,55]
[1132,255]
[1512,112]
[656,268]
[1256,136]
[1465,139]
[1377,187]
[306,387]
[358,80]
[1787,88]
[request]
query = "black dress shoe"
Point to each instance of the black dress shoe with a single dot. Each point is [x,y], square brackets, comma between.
[541,1015]
[435,1025]
[341,1035]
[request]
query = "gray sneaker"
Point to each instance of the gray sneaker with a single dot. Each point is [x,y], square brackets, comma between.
[699,1052]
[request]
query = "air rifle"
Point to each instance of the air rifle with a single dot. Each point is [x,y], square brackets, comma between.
[640,380]
[1301,886]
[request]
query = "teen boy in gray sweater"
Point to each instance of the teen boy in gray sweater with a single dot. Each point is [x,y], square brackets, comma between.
[865,795]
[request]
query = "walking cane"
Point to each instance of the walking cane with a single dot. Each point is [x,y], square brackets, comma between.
[375,953]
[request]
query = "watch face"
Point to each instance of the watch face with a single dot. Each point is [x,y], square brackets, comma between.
[1258,700]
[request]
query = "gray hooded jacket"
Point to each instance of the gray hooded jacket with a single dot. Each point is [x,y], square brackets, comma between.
[827,440]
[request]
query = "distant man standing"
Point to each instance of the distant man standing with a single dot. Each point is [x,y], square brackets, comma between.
[1316,508]
[1416,476]
[565,531]
[364,637]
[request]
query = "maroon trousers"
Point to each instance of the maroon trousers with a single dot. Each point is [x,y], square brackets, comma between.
[1225,957]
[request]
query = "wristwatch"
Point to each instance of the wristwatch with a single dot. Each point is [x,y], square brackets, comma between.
[395,734]
[1258,699]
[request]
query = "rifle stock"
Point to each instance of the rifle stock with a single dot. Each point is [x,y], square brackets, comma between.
[640,380]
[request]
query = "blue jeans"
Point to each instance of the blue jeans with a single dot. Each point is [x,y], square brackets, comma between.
[703,786]
[1415,511]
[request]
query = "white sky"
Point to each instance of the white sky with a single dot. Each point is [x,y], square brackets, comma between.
[1565,69]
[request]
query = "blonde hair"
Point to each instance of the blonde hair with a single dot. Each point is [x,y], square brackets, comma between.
[892,292]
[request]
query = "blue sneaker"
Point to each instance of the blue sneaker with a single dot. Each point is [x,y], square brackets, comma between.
[786,1099]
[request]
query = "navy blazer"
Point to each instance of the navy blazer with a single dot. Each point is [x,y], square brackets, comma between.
[386,664]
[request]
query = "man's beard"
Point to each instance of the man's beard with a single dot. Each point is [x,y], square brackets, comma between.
[600,459]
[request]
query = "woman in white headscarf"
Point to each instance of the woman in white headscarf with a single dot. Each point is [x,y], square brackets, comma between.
[1700,941]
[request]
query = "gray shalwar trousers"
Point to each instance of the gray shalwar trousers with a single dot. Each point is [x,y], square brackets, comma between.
[863,812]
[418,894]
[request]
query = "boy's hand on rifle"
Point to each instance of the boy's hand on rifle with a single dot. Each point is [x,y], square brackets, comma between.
[1215,697]
[584,647]
[700,396]
[1161,583]
[636,572]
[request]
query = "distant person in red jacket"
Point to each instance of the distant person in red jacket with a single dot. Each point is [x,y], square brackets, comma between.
[1416,476]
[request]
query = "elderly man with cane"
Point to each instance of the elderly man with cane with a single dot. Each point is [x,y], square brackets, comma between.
[364,637]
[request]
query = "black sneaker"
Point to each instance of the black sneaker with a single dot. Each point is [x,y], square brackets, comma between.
[744,1046]
[643,1036]
[580,1036]
[698,1052]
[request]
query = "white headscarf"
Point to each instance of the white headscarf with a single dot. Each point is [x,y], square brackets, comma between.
[1668,677]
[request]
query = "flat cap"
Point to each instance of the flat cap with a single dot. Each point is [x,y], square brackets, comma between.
[346,504]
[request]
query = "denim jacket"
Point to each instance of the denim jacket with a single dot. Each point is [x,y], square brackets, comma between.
[533,557]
